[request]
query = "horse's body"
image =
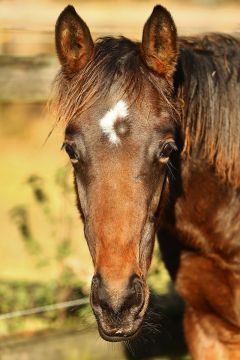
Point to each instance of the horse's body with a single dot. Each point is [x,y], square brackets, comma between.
[199,231]
[154,136]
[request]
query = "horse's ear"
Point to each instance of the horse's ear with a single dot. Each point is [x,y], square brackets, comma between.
[159,42]
[74,43]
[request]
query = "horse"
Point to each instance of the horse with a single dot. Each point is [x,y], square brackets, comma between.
[152,129]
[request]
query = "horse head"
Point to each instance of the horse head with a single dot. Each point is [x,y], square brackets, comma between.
[116,97]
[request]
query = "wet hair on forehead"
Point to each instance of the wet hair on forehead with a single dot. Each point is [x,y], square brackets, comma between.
[117,62]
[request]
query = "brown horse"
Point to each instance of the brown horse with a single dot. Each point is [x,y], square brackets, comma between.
[153,133]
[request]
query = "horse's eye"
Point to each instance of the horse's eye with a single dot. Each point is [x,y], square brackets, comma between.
[165,151]
[71,152]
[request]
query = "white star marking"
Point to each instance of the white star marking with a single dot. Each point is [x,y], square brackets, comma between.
[119,111]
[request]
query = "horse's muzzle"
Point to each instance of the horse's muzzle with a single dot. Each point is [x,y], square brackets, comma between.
[119,312]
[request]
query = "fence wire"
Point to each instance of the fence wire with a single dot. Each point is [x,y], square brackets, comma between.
[42,309]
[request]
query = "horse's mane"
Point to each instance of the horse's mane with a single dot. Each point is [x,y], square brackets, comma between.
[211,93]
[210,88]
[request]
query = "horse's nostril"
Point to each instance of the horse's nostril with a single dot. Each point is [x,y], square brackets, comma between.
[100,298]
[137,284]
[117,301]
[138,292]
[96,284]
[135,295]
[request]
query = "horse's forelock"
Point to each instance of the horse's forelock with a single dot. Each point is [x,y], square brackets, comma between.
[116,61]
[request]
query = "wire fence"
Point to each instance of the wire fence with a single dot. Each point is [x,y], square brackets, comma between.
[45,308]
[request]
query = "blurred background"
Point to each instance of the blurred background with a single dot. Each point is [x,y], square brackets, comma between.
[43,255]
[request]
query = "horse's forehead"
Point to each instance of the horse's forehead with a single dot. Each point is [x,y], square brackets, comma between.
[110,119]
[119,121]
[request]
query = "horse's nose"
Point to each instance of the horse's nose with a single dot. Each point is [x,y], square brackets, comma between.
[109,298]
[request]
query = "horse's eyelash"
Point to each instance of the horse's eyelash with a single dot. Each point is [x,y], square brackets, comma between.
[73,155]
[170,142]
[174,146]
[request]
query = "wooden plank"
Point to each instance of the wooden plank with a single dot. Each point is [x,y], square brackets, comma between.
[26,79]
